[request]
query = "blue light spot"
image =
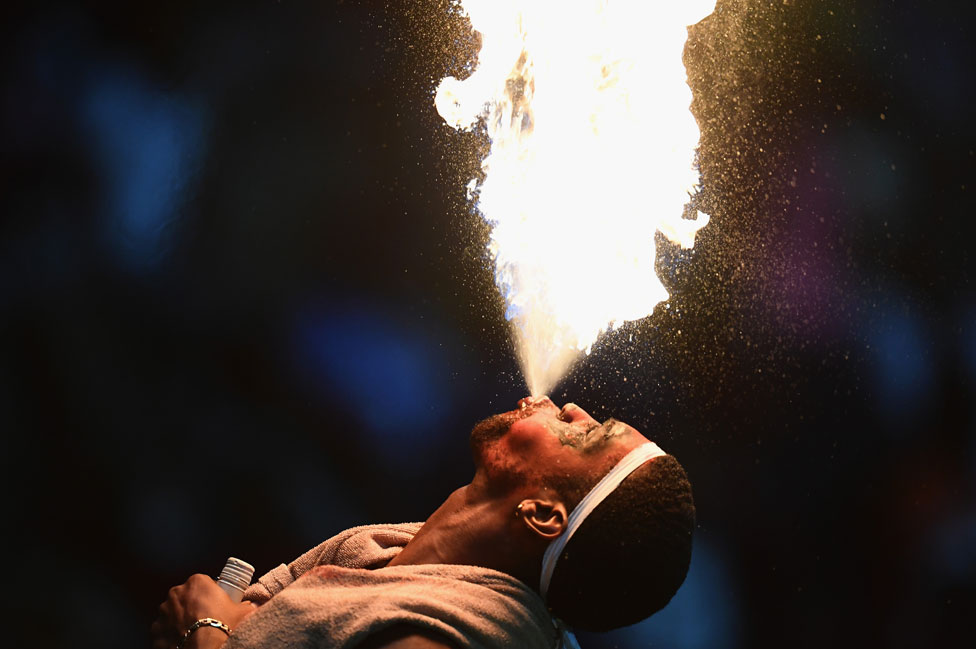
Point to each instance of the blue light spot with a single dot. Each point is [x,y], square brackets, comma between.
[388,377]
[147,146]
[903,370]
[681,624]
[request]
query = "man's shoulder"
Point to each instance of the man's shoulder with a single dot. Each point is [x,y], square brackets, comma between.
[406,636]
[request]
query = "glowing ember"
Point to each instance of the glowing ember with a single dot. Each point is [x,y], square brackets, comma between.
[592,150]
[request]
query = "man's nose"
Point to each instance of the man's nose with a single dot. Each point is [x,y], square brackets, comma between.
[572,413]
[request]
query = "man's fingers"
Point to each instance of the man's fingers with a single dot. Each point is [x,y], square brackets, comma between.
[172,603]
[199,580]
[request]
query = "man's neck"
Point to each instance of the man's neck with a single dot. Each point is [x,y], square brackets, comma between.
[469,530]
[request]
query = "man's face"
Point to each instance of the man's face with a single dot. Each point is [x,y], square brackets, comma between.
[538,440]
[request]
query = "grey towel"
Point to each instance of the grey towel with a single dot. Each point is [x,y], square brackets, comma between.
[340,592]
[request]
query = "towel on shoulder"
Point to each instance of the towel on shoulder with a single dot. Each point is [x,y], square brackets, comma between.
[341,591]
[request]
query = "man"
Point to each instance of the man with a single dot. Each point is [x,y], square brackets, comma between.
[461,579]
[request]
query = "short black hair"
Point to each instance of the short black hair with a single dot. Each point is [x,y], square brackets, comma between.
[627,560]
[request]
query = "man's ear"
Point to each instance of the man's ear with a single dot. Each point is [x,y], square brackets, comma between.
[547,518]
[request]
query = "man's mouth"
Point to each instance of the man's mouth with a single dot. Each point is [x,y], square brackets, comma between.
[530,405]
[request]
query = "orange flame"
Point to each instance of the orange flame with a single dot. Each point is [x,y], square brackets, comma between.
[592,151]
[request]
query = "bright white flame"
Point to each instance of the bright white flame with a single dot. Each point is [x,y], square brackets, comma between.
[592,151]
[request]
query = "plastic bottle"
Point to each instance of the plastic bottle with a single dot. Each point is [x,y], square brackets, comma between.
[235,577]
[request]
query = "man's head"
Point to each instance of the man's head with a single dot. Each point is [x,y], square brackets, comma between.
[630,555]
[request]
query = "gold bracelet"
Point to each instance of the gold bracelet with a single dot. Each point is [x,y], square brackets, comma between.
[206,621]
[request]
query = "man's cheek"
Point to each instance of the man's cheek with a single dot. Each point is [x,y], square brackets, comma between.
[521,445]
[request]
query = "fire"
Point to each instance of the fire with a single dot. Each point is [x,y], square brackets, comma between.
[592,151]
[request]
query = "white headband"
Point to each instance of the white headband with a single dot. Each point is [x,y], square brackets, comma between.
[630,463]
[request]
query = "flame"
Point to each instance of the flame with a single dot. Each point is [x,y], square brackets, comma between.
[592,150]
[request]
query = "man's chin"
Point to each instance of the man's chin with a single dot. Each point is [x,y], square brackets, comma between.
[490,430]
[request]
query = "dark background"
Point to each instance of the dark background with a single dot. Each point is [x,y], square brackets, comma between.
[244,304]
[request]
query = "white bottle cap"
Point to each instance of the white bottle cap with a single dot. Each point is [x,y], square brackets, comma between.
[235,577]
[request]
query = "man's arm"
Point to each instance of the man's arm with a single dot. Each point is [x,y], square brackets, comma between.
[201,597]
[406,636]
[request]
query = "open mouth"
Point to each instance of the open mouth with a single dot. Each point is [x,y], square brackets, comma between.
[530,405]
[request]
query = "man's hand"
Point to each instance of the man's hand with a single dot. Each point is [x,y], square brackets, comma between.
[198,598]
